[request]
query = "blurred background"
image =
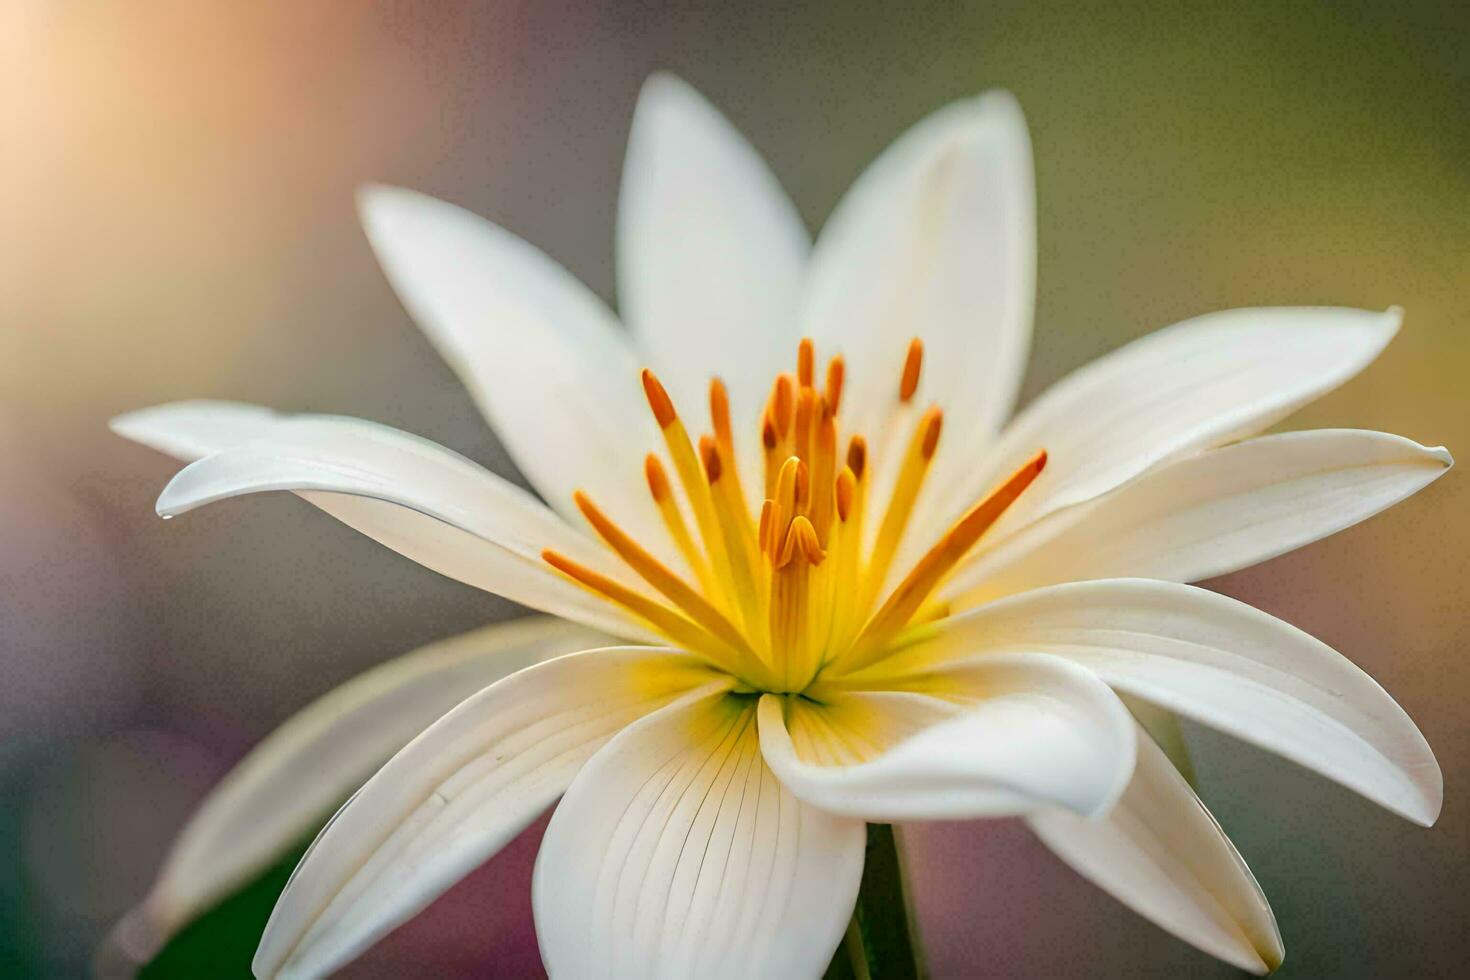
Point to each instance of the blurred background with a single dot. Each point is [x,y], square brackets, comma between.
[176,221]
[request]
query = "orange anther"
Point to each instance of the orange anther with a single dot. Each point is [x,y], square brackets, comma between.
[782,404]
[768,433]
[709,454]
[912,364]
[806,361]
[846,488]
[719,412]
[836,374]
[658,400]
[658,480]
[857,456]
[933,423]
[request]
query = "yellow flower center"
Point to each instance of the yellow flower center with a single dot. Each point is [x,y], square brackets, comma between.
[792,596]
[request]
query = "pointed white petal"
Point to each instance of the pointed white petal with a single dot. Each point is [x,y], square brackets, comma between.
[191,429]
[454,796]
[1162,854]
[994,737]
[676,853]
[936,240]
[1225,665]
[1212,513]
[460,516]
[543,357]
[312,762]
[1203,382]
[710,253]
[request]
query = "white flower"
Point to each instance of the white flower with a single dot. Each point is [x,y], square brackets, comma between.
[845,611]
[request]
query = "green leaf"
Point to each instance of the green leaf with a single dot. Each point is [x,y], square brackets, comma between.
[221,942]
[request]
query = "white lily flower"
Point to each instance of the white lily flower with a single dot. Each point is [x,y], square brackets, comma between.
[866,596]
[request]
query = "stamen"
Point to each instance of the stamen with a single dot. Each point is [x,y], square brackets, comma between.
[668,509]
[781,405]
[770,453]
[846,489]
[846,559]
[806,361]
[857,456]
[663,619]
[806,410]
[917,586]
[658,575]
[913,362]
[658,400]
[836,374]
[719,414]
[783,600]
[719,410]
[780,409]
[921,450]
[681,451]
[740,551]
[824,462]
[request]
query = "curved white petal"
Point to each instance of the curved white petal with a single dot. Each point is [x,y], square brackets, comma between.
[1162,854]
[936,240]
[996,737]
[454,796]
[1211,513]
[1225,665]
[312,762]
[676,853]
[188,430]
[1199,383]
[460,516]
[710,254]
[543,357]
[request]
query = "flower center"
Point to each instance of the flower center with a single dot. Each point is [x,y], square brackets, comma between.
[780,600]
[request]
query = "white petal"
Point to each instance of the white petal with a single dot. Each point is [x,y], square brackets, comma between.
[1212,513]
[1203,382]
[676,853]
[312,762]
[454,796]
[1225,665]
[710,254]
[461,517]
[1036,732]
[543,357]
[190,429]
[936,240]
[1162,854]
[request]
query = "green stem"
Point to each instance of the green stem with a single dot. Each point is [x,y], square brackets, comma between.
[882,942]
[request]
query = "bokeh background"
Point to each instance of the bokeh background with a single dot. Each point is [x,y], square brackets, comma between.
[176,220]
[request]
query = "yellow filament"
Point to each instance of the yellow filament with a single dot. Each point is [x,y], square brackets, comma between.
[824,462]
[847,546]
[681,631]
[681,451]
[921,449]
[741,555]
[668,509]
[905,600]
[658,575]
